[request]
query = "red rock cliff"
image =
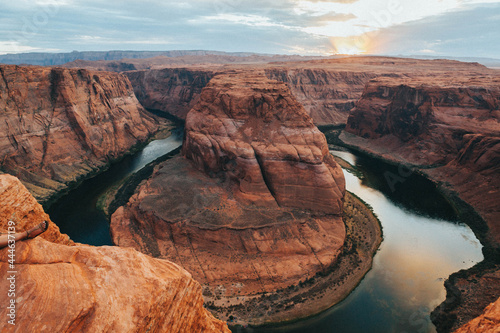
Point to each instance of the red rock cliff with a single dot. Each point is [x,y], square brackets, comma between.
[58,125]
[452,131]
[255,132]
[61,288]
[171,90]
[328,95]
[264,212]
[488,322]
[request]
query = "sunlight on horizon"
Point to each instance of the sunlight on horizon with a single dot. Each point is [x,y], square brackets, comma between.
[348,46]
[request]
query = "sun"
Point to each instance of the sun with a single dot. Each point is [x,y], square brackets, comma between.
[348,46]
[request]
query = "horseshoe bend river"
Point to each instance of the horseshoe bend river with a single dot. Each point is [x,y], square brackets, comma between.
[423,244]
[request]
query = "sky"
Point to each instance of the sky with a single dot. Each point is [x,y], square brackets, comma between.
[461,28]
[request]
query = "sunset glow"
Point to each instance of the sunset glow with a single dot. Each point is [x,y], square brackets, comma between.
[306,27]
[349,46]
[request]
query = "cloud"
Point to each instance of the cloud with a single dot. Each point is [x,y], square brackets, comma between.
[468,32]
[279,26]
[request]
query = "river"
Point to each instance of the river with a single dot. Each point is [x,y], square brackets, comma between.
[423,244]
[77,214]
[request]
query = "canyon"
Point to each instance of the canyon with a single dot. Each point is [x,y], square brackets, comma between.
[327,88]
[62,286]
[254,205]
[249,127]
[447,130]
[61,125]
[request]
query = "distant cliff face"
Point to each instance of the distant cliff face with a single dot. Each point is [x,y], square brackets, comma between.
[58,125]
[328,89]
[450,130]
[91,289]
[256,204]
[328,95]
[174,91]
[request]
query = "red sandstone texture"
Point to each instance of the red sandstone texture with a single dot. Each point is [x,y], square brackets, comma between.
[263,213]
[20,207]
[450,131]
[488,322]
[61,288]
[327,88]
[254,131]
[58,125]
[174,91]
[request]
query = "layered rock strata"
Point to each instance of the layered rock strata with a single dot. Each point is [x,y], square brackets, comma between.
[327,95]
[450,132]
[171,90]
[64,288]
[255,206]
[59,125]
[489,321]
[327,88]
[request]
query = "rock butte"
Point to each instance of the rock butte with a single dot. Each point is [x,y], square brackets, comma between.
[59,125]
[255,206]
[62,288]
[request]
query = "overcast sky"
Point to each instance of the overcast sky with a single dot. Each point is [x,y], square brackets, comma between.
[322,27]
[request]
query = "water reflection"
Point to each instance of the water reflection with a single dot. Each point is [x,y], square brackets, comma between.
[406,282]
[77,215]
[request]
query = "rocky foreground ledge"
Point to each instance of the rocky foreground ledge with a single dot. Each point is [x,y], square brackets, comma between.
[63,287]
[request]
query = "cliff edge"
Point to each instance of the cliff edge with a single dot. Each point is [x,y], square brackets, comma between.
[61,287]
[59,125]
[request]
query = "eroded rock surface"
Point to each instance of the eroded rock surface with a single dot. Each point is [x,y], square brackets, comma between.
[253,131]
[58,124]
[488,322]
[256,207]
[171,90]
[61,288]
[449,131]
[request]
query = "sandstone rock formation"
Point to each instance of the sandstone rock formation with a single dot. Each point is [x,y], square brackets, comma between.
[19,206]
[263,214]
[328,95]
[61,288]
[451,133]
[174,91]
[58,124]
[488,322]
[259,136]
[327,88]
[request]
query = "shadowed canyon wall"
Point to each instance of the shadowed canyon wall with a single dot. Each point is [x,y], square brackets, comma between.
[58,125]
